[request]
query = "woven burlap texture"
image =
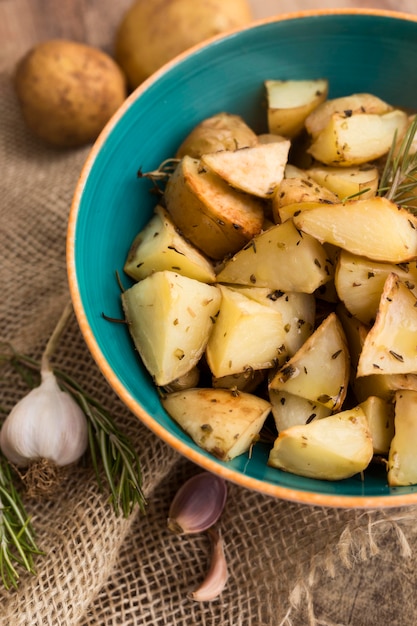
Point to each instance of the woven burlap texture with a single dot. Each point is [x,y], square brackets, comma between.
[289,563]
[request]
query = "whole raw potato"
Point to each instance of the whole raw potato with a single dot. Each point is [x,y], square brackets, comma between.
[68,91]
[154,31]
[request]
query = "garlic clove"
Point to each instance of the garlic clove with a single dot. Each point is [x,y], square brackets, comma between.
[46,424]
[198,504]
[217,574]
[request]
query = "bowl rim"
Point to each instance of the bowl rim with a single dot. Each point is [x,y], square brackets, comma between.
[208,463]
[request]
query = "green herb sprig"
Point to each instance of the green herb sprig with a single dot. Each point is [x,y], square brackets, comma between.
[398,181]
[17,539]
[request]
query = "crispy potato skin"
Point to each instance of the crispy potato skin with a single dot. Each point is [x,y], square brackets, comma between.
[68,91]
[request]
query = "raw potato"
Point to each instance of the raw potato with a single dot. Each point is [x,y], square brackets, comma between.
[319,371]
[159,246]
[376,228]
[402,458]
[152,33]
[356,139]
[332,448]
[68,91]
[246,335]
[291,101]
[214,217]
[222,131]
[170,318]
[279,258]
[225,423]
[257,170]
[391,345]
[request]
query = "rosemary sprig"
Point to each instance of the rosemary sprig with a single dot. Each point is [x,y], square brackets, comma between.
[106,442]
[17,540]
[161,175]
[398,181]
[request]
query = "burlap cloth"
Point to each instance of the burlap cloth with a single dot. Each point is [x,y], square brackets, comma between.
[289,563]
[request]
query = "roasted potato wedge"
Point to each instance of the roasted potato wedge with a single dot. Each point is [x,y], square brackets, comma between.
[225,423]
[273,259]
[257,170]
[159,246]
[215,218]
[375,228]
[170,318]
[290,410]
[357,139]
[402,458]
[332,448]
[223,131]
[380,416]
[320,370]
[291,101]
[346,182]
[246,335]
[390,347]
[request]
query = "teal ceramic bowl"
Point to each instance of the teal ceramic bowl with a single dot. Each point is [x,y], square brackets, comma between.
[357,50]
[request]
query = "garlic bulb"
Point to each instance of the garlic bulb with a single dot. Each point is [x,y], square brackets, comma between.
[198,504]
[46,424]
[217,574]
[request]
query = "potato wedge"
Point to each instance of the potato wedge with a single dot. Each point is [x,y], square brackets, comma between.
[390,347]
[345,182]
[402,458]
[360,282]
[159,246]
[380,416]
[291,101]
[354,104]
[295,190]
[225,423]
[215,218]
[319,371]
[257,170]
[357,139]
[332,448]
[279,258]
[382,385]
[223,131]
[290,410]
[170,318]
[246,335]
[375,228]
[296,309]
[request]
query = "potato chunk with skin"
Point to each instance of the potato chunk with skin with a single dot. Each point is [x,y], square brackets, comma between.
[360,282]
[223,131]
[170,318]
[354,104]
[319,371]
[246,335]
[390,347]
[347,181]
[290,410]
[279,258]
[375,228]
[332,448]
[257,170]
[291,101]
[357,139]
[223,422]
[217,219]
[159,246]
[402,458]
